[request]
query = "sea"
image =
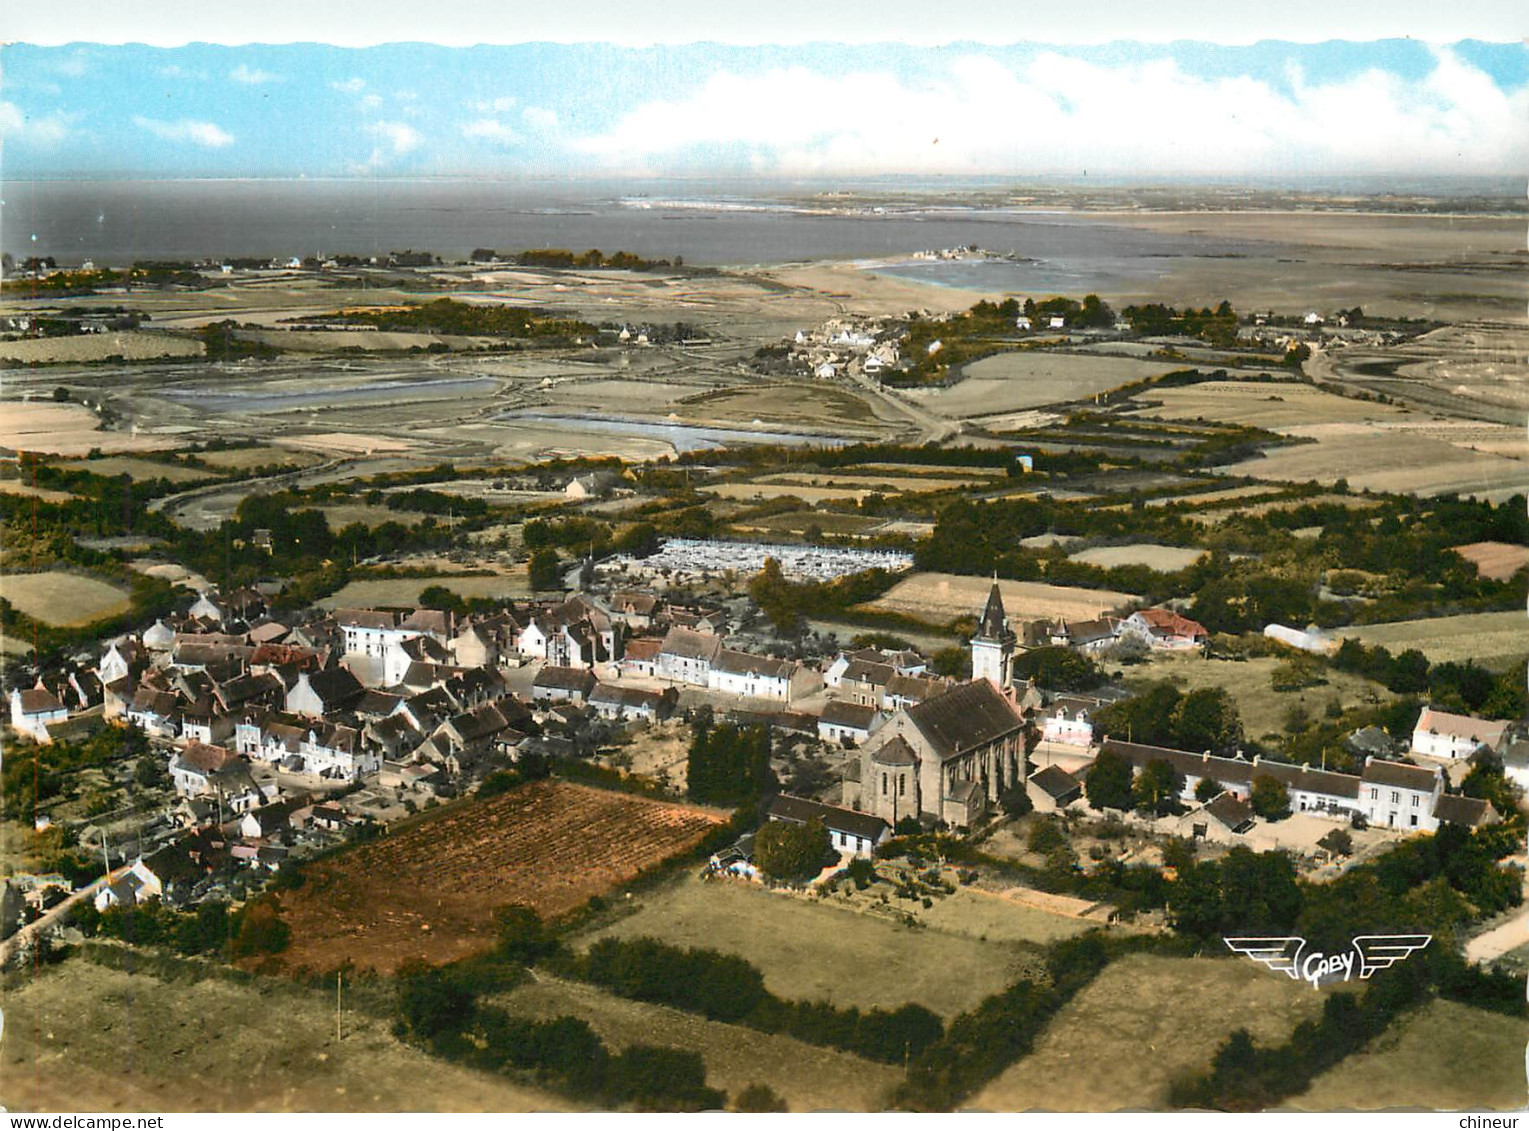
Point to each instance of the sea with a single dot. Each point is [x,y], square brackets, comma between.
[117,222]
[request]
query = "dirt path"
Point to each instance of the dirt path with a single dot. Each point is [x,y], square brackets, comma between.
[1502,938]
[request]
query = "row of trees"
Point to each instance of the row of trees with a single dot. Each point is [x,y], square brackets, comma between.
[725,987]
[727,764]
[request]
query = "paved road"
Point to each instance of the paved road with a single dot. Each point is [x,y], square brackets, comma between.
[1508,936]
[54,915]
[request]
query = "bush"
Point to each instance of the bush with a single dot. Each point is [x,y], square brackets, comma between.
[788,851]
[1016,800]
[759,1098]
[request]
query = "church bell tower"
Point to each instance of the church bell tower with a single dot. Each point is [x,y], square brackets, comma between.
[993,645]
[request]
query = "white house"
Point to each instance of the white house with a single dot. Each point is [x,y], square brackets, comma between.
[34,710]
[1163,630]
[858,834]
[133,885]
[1439,734]
[1067,723]
[1400,795]
[755,677]
[845,721]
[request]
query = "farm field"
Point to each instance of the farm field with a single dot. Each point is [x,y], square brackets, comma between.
[1275,405]
[1026,379]
[1143,1021]
[398,591]
[1446,1056]
[939,598]
[1221,514]
[753,491]
[1163,559]
[979,913]
[137,469]
[1387,461]
[803,405]
[246,459]
[1494,640]
[1248,682]
[1229,494]
[809,950]
[130,345]
[796,522]
[59,598]
[341,515]
[430,888]
[26,490]
[67,430]
[807,1077]
[886,484]
[1497,560]
[330,341]
[82,1037]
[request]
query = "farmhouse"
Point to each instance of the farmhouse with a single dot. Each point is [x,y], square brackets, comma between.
[34,710]
[134,885]
[1400,795]
[1439,734]
[686,656]
[557,684]
[1066,721]
[1163,630]
[848,722]
[848,831]
[612,701]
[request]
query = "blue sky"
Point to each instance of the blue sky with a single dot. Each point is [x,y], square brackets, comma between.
[588,109]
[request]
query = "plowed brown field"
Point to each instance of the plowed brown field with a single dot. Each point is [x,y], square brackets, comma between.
[431,889]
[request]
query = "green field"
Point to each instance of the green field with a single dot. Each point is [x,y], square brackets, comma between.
[1142,1022]
[373,592]
[809,1078]
[809,949]
[1446,1056]
[59,598]
[79,1037]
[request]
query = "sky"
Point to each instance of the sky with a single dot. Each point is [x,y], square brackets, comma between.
[1264,108]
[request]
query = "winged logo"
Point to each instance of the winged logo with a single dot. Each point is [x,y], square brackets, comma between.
[1282,954]
[1288,955]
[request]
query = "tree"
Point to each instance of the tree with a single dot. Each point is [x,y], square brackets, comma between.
[432,1001]
[61,394]
[523,938]
[759,1098]
[1269,797]
[545,570]
[1338,842]
[1058,668]
[1207,719]
[1016,800]
[259,930]
[1207,789]
[1108,783]
[1157,787]
[785,850]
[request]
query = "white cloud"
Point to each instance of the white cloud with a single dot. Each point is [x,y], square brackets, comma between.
[16,124]
[349,86]
[400,137]
[176,71]
[490,129]
[1056,113]
[540,118]
[406,95]
[186,130]
[252,76]
[74,66]
[492,105]
[371,101]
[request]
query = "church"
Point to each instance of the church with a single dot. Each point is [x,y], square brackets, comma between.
[950,757]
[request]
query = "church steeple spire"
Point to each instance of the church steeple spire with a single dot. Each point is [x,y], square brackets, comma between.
[993,644]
